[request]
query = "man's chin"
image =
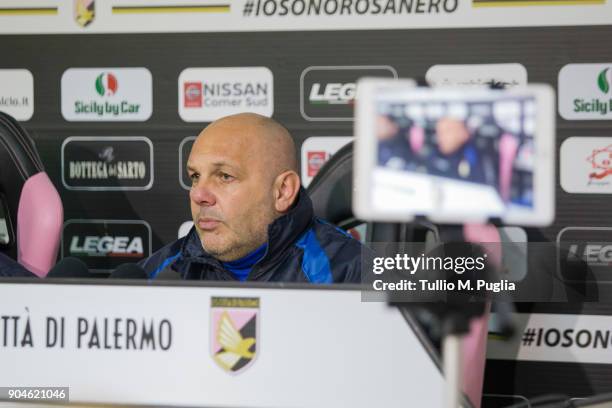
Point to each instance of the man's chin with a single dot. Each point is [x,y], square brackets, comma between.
[222,253]
[214,248]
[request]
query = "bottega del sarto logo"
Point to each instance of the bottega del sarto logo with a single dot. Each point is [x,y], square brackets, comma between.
[597,105]
[107,163]
[333,93]
[107,168]
[106,246]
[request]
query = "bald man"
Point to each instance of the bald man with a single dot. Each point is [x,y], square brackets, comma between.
[252,219]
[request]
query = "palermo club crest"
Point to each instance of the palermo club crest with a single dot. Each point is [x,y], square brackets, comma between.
[234,332]
[84,12]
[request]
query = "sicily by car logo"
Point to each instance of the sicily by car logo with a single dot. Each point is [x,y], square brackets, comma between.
[585,91]
[106,84]
[603,80]
[107,94]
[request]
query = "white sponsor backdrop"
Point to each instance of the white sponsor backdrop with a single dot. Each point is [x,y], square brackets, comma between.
[562,338]
[316,151]
[133,96]
[508,75]
[315,348]
[226,81]
[17,93]
[585,91]
[585,162]
[113,16]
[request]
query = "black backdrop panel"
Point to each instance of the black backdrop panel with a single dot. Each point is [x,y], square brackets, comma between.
[543,51]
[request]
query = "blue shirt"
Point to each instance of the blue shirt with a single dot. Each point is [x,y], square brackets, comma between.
[241,268]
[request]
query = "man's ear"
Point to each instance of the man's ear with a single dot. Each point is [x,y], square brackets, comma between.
[286,189]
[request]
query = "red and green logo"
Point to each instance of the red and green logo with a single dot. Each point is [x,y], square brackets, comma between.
[603,80]
[106,84]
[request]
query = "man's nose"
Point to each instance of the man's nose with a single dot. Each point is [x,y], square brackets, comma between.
[202,195]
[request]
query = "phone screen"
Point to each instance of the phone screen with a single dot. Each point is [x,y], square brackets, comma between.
[453,156]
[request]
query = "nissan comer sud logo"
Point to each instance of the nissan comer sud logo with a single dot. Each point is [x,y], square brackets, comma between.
[585,254]
[206,94]
[193,94]
[110,163]
[105,244]
[327,93]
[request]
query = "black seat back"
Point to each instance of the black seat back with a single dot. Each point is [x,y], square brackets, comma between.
[19,160]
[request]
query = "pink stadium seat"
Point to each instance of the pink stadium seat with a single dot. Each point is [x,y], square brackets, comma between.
[30,201]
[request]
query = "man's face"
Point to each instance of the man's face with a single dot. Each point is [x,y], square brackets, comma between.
[231,193]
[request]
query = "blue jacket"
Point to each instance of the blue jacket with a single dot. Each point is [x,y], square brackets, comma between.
[301,248]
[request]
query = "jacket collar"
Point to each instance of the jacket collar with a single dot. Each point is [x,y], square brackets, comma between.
[282,233]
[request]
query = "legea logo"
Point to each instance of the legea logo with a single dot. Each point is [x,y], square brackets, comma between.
[327,93]
[582,247]
[106,84]
[105,244]
[333,93]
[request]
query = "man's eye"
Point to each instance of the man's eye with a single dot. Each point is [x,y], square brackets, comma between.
[194,177]
[226,177]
